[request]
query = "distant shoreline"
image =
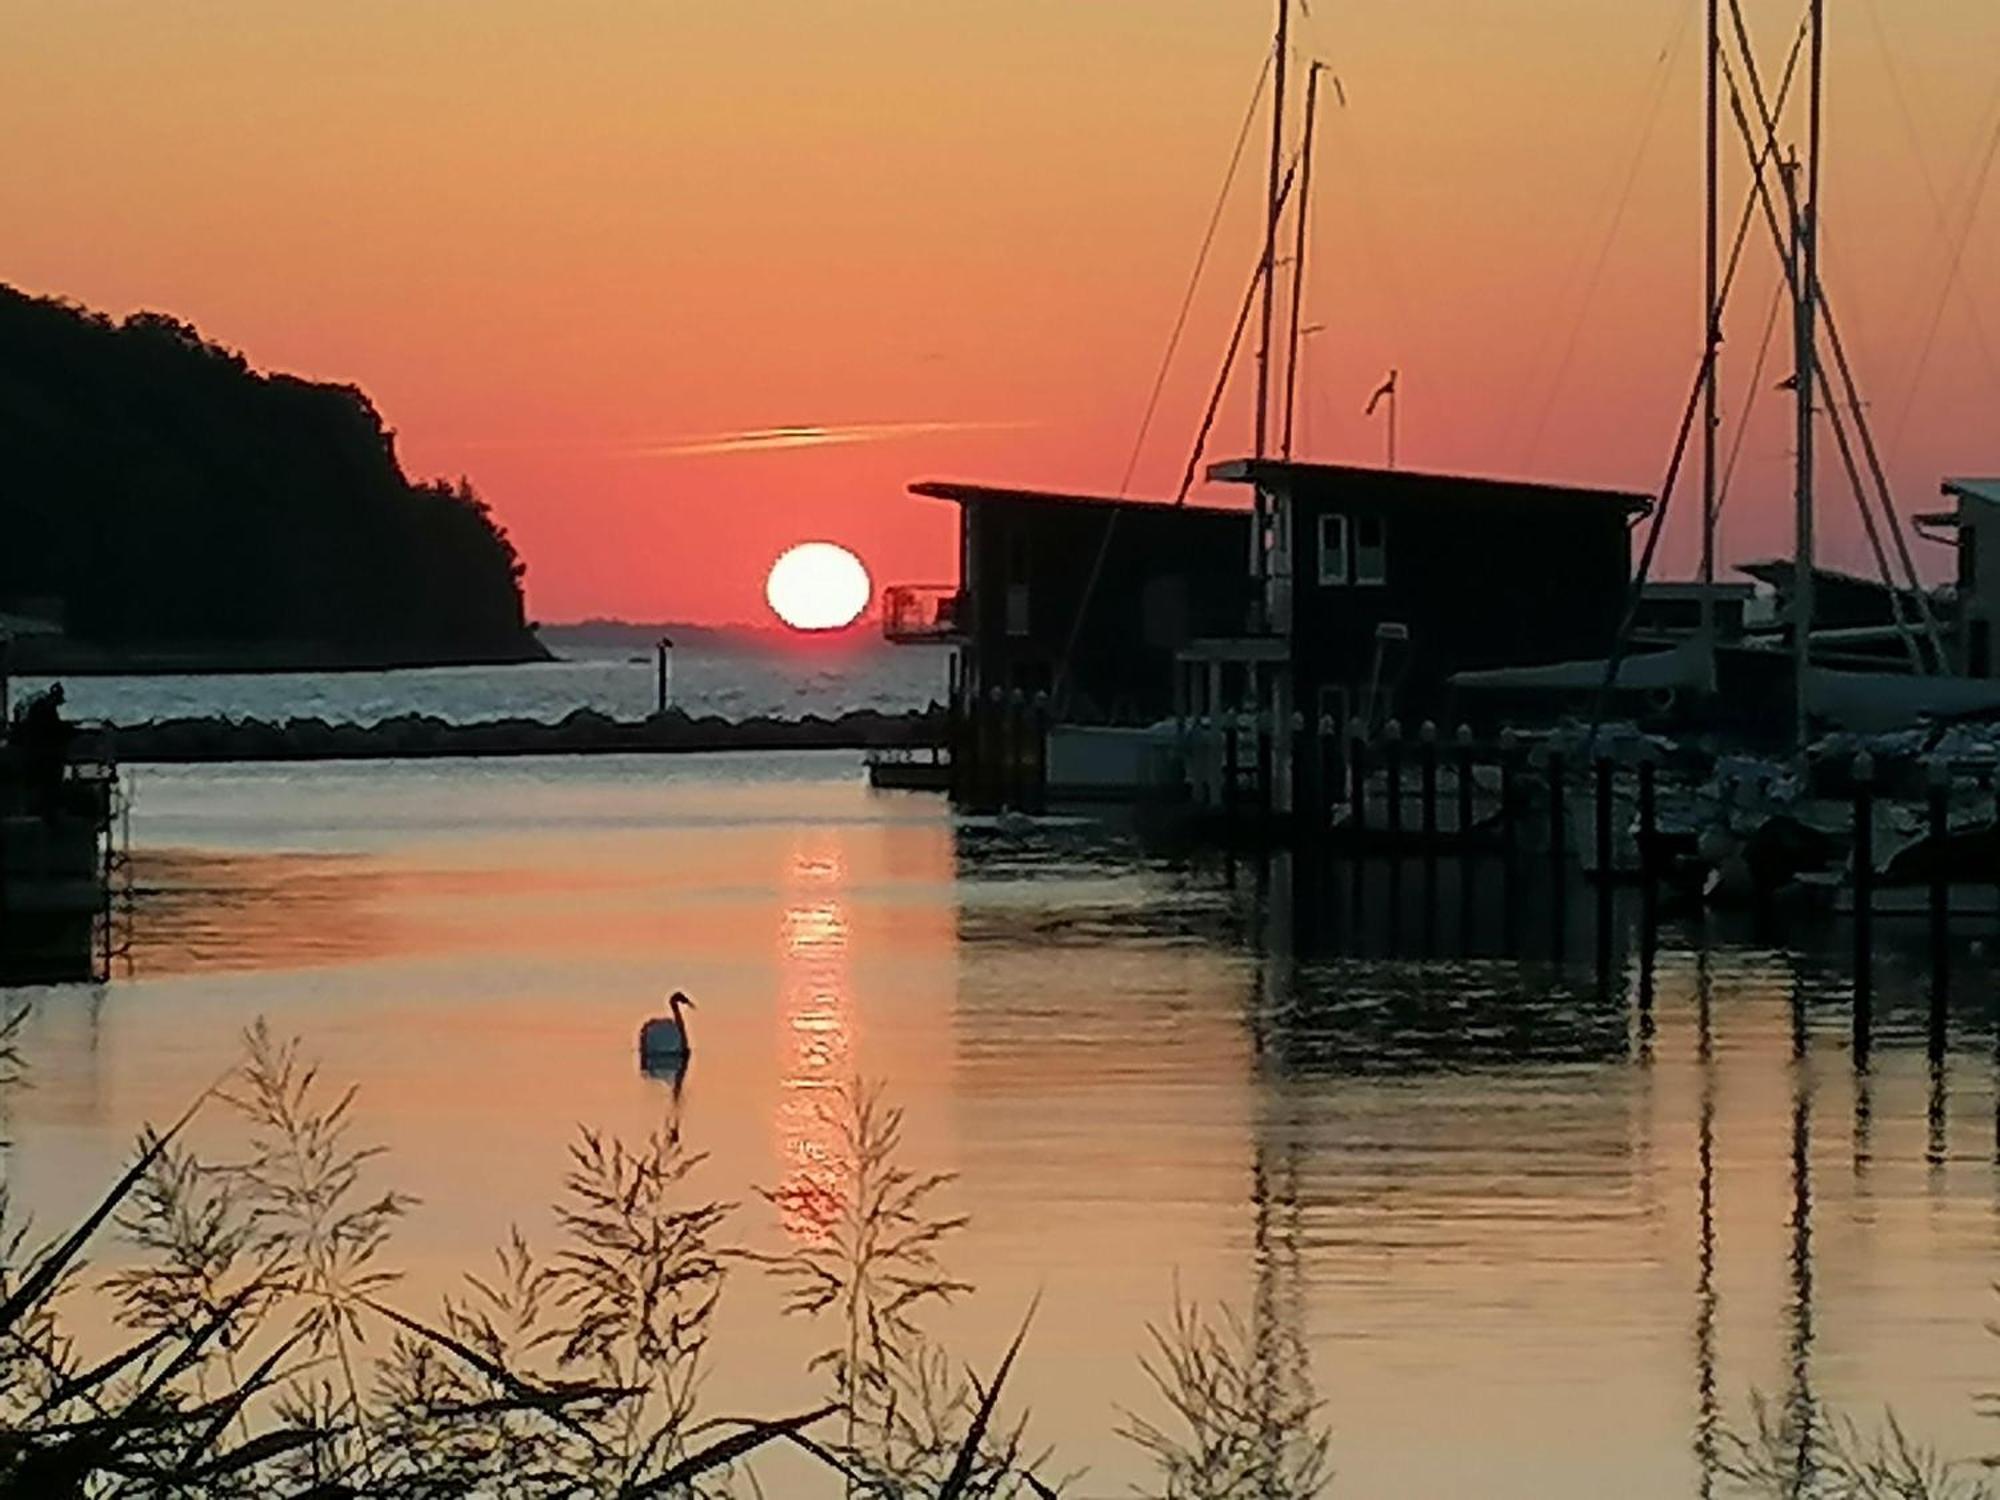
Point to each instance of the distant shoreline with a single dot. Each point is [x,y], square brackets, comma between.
[37,657]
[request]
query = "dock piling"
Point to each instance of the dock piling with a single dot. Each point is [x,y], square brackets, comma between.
[1304,762]
[1465,784]
[1392,747]
[1427,739]
[1357,780]
[1940,828]
[1864,905]
[1556,809]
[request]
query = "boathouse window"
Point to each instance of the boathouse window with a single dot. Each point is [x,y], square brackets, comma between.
[1017,609]
[1371,550]
[1017,580]
[1333,549]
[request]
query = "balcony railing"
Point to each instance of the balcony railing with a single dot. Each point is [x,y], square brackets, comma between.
[913,613]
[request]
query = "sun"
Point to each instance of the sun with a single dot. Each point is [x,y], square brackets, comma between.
[818,586]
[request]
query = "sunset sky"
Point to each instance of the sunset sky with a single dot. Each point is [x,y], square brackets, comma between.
[574,251]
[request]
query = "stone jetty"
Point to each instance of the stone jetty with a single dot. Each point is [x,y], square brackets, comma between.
[582,732]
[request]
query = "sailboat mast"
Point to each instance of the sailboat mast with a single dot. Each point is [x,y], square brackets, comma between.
[1260,514]
[1712,333]
[1805,325]
[1273,203]
[1299,255]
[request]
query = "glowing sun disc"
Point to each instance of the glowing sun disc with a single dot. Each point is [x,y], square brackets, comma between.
[818,586]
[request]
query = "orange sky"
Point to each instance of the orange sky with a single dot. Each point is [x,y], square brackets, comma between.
[562,245]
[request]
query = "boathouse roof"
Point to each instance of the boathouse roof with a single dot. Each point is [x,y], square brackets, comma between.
[962,493]
[1415,487]
[1987,490]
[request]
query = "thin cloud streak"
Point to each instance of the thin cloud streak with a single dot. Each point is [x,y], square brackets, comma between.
[770,439]
[752,439]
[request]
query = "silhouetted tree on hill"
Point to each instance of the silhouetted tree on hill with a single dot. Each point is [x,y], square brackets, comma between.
[170,495]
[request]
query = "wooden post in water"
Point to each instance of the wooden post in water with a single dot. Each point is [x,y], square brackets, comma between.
[1510,848]
[1940,799]
[1427,738]
[1556,819]
[1864,905]
[1266,769]
[1038,749]
[1016,791]
[1604,828]
[1649,817]
[1357,780]
[953,745]
[1605,873]
[993,751]
[1329,762]
[663,660]
[1392,746]
[1466,813]
[1229,769]
[1305,775]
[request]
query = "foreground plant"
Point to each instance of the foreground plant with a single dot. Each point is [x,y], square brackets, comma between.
[261,1353]
[258,1285]
[914,1422]
[1810,1454]
[1244,1420]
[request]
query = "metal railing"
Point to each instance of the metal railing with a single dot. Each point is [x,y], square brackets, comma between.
[919,612]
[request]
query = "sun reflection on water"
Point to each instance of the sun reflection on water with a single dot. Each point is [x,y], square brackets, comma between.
[817,1014]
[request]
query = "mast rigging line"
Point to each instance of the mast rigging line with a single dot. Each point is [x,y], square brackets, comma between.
[1824,308]
[1750,394]
[1656,521]
[1814,379]
[1259,279]
[1664,74]
[1194,279]
[1896,90]
[1194,459]
[1955,243]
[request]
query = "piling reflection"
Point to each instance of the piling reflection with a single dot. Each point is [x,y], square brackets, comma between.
[1708,1403]
[1471,1083]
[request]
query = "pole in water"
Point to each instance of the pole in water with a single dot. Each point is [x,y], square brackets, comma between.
[1357,780]
[1304,768]
[1940,827]
[1649,820]
[663,654]
[1465,813]
[1392,737]
[1604,873]
[1427,735]
[1604,850]
[1556,820]
[1864,905]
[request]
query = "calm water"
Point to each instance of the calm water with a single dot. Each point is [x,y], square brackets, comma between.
[733,681]
[1474,1184]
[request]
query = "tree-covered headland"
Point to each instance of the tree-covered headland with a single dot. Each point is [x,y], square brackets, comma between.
[166,503]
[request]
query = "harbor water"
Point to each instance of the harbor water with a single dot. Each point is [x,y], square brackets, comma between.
[1546,1214]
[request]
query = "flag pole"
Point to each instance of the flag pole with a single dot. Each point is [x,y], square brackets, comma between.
[1392,419]
[1386,388]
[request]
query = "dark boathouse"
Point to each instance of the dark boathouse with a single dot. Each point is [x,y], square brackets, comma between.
[1086,598]
[1382,583]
